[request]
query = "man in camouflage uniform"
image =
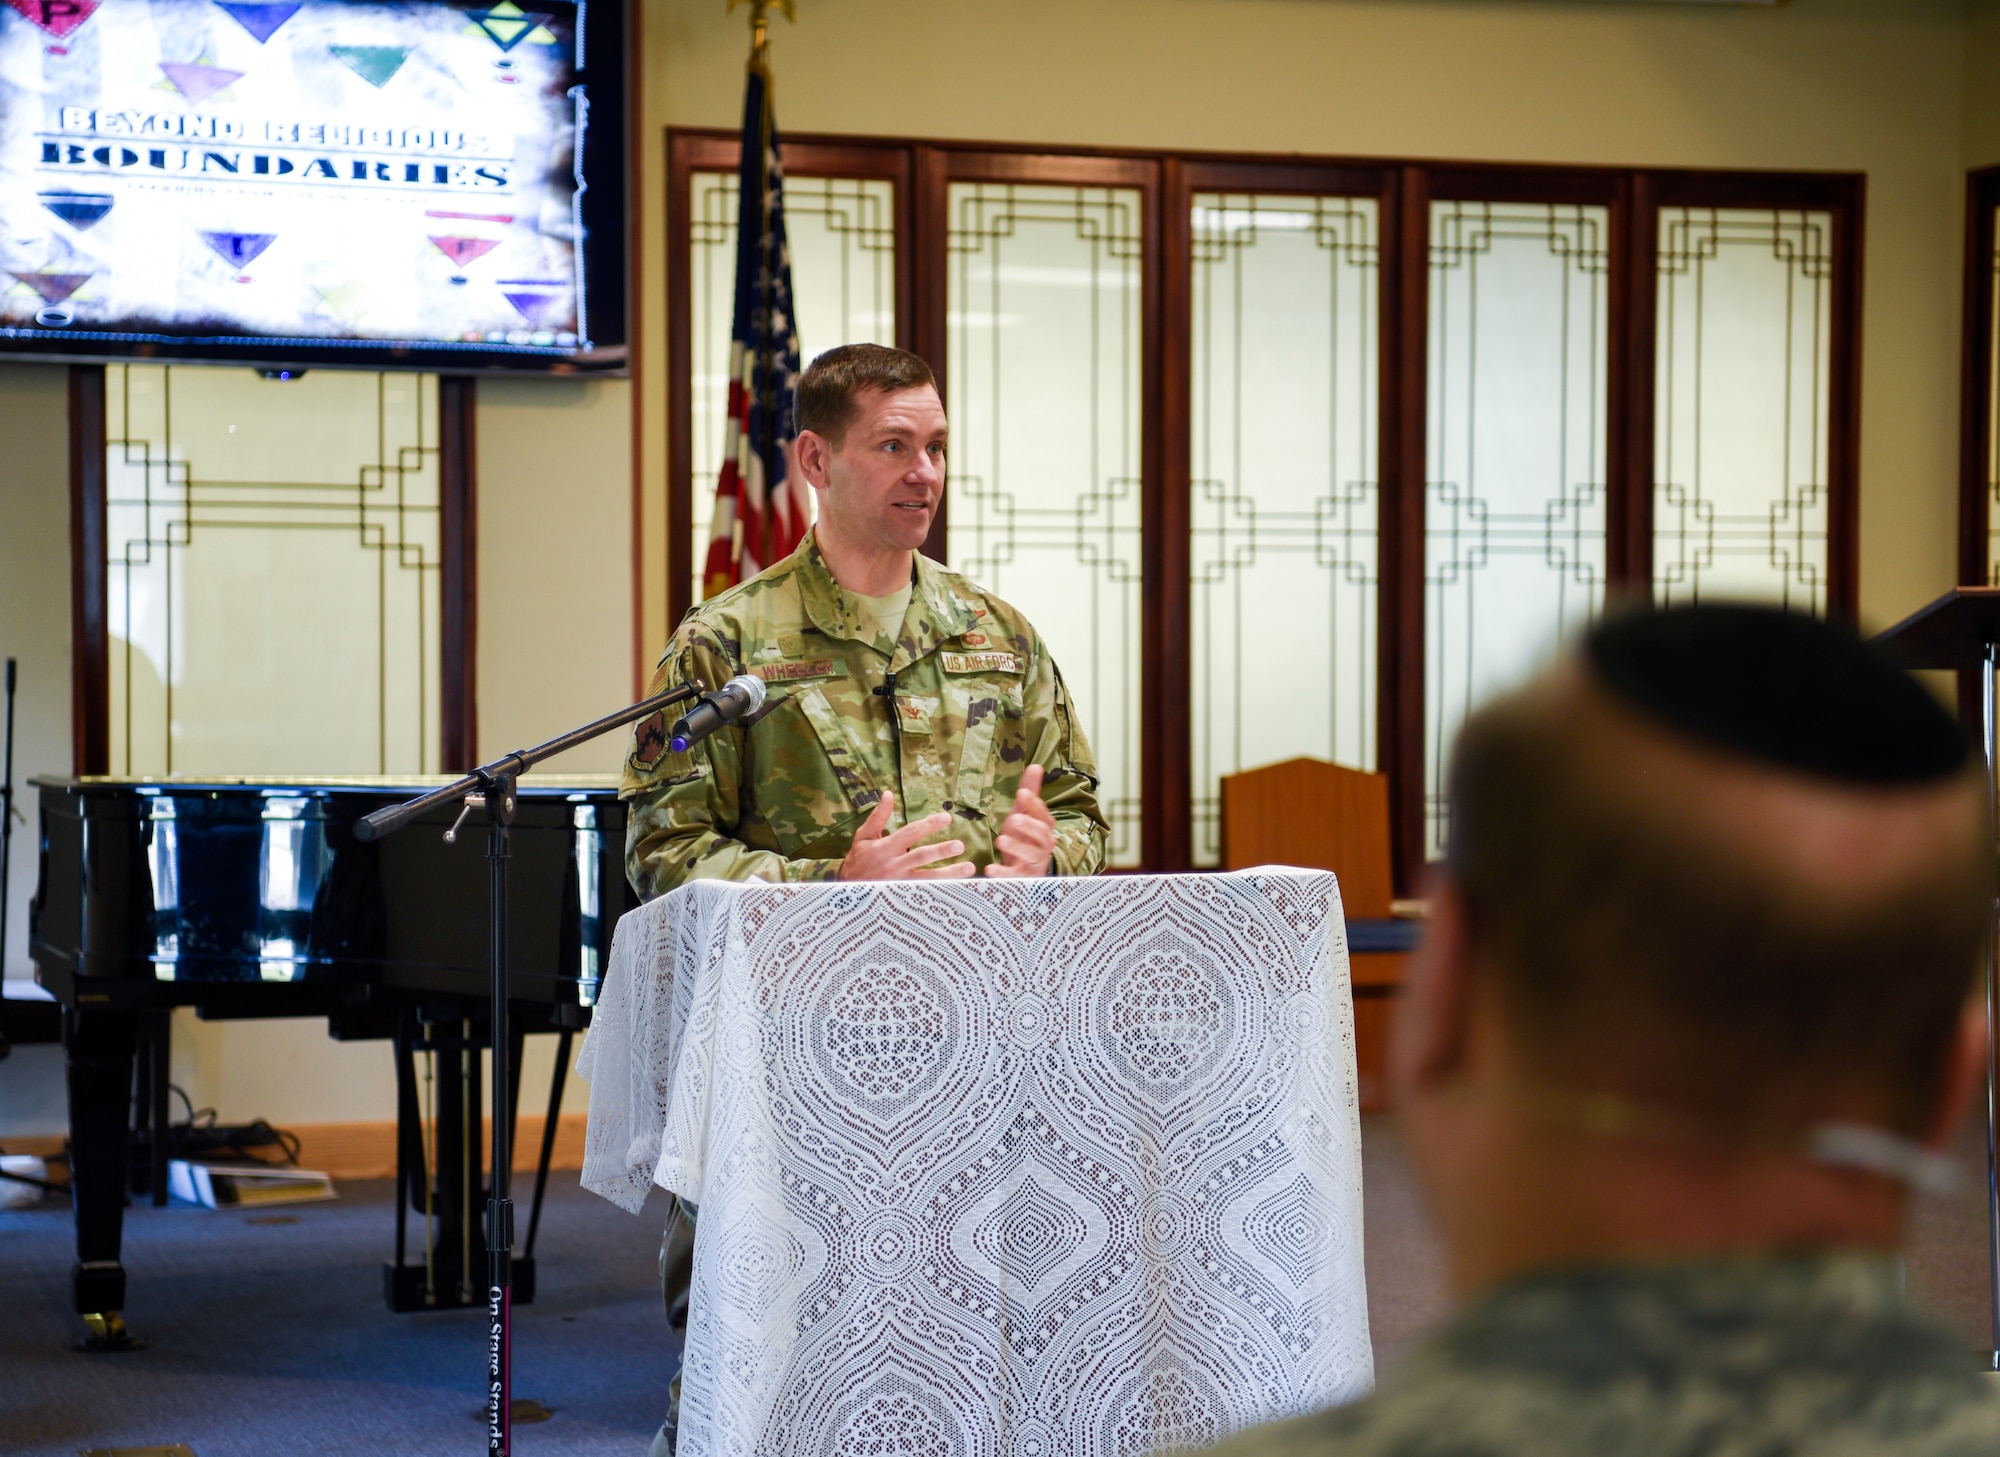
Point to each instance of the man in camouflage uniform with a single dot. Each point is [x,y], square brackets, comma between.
[904,704]
[1694,1010]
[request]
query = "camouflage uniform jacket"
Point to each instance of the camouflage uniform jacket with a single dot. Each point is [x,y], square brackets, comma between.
[1779,1356]
[975,699]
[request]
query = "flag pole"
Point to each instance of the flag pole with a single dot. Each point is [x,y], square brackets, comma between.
[765,548]
[758,499]
[759,12]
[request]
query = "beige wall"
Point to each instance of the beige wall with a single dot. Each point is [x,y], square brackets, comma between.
[1981,144]
[555,580]
[34,628]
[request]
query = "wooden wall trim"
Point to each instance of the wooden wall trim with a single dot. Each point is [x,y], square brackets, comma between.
[1166,333]
[1635,358]
[1843,464]
[365,1150]
[930,223]
[90,642]
[458,577]
[368,1150]
[1405,470]
[1982,197]
[1618,367]
[684,155]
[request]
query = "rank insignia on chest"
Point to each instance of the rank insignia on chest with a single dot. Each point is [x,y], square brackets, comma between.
[980,662]
[913,713]
[794,672]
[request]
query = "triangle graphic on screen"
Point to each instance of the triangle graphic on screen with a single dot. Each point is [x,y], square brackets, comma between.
[57,17]
[532,298]
[54,287]
[260,19]
[507,25]
[373,64]
[462,251]
[81,210]
[238,250]
[198,82]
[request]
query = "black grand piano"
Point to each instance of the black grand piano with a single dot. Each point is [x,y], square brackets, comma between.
[253,898]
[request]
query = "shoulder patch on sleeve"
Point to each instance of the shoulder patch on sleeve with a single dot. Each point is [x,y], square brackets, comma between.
[649,741]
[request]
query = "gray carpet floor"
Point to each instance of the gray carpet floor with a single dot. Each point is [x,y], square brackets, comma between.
[271,1338]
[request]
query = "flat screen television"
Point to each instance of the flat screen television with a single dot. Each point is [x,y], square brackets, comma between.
[434,184]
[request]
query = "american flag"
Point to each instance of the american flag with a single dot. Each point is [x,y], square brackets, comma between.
[763,506]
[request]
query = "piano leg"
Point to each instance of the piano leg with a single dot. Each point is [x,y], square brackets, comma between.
[451,1191]
[152,1116]
[100,1047]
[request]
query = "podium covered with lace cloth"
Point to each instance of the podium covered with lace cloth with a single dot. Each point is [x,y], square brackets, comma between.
[1013,1168]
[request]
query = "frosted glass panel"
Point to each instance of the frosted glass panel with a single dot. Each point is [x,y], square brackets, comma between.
[1514,505]
[274,571]
[1740,497]
[1285,491]
[1044,383]
[841,233]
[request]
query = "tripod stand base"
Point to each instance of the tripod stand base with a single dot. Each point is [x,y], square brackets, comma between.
[403,1288]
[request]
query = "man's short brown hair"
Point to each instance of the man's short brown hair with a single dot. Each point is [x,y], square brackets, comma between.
[830,390]
[1650,932]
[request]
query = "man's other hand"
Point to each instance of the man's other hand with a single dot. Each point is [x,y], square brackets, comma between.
[899,856]
[1027,840]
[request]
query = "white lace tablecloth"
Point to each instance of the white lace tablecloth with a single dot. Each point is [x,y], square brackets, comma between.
[1051,1168]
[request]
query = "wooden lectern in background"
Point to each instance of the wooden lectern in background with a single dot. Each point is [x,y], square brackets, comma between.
[1320,816]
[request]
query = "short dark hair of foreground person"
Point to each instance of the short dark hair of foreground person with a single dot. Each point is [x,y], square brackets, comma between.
[1693,1015]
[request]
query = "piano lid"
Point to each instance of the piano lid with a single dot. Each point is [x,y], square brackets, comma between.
[544,783]
[198,882]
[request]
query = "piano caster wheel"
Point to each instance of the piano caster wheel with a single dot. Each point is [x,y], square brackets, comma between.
[107,1333]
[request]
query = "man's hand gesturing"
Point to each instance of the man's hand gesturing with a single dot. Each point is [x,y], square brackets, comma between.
[901,856]
[1027,840]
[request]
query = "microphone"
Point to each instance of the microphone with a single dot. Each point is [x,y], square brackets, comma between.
[740,697]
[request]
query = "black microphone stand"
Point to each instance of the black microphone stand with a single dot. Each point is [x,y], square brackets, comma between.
[491,788]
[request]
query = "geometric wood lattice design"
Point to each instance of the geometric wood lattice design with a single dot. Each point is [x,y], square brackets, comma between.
[1515,499]
[841,238]
[1284,569]
[1740,505]
[1369,437]
[1043,384]
[274,571]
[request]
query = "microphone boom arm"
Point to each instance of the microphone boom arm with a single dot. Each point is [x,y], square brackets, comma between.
[513,765]
[491,787]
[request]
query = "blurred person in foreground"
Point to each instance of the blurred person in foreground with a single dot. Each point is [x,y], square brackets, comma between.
[1693,1016]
